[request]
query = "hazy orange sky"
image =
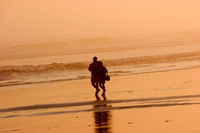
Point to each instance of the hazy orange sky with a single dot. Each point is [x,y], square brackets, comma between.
[29,20]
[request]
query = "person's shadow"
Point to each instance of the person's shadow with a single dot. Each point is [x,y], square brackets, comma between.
[102,116]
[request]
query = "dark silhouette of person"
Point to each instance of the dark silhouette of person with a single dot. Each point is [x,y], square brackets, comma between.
[103,72]
[99,73]
[94,66]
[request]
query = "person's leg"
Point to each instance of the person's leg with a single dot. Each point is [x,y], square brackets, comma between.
[96,86]
[94,83]
[97,97]
[102,85]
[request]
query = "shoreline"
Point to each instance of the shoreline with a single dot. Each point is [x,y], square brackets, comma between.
[86,78]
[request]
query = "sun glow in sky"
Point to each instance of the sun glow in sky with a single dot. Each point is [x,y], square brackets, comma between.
[29,20]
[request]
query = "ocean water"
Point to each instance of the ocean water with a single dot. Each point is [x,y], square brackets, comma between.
[123,60]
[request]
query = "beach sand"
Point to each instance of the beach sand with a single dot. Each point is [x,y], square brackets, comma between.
[159,102]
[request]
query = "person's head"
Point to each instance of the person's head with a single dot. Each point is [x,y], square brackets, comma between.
[100,63]
[95,58]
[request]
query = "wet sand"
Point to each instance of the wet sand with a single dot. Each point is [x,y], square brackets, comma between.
[167,101]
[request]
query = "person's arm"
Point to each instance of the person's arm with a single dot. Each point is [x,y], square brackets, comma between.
[90,68]
[106,71]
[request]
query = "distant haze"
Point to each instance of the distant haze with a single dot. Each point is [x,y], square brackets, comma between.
[30,20]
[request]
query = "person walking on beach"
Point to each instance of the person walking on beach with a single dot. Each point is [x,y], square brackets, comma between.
[103,76]
[99,75]
[94,72]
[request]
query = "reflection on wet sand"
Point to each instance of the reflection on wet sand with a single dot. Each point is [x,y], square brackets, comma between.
[102,116]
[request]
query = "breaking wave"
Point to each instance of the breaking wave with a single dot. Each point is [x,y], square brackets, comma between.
[10,72]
